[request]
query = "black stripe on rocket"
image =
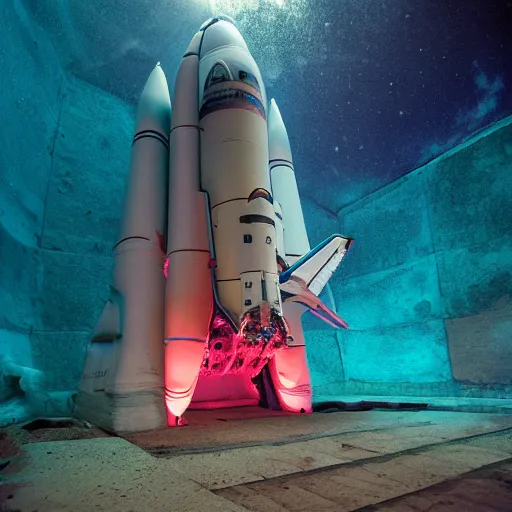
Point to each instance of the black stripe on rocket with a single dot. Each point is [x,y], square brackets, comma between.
[151,134]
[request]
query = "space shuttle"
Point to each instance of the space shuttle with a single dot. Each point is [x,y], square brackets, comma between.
[212,268]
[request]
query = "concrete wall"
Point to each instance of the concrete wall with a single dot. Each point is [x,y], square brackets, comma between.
[427,286]
[84,201]
[64,159]
[30,82]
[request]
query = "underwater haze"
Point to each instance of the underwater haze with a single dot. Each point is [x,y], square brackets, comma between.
[399,118]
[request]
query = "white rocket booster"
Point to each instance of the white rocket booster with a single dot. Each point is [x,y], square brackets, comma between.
[122,382]
[238,266]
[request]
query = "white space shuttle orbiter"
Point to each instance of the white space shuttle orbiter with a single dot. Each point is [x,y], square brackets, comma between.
[213,267]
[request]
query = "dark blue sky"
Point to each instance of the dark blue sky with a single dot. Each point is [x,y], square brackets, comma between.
[403,82]
[369,89]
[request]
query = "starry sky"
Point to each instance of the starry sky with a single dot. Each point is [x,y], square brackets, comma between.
[369,89]
[388,85]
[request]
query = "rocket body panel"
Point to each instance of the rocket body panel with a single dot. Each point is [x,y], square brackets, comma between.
[285,190]
[188,291]
[289,368]
[279,143]
[131,365]
[244,238]
[195,44]
[187,226]
[279,228]
[138,278]
[189,309]
[145,198]
[220,34]
[234,155]
[108,327]
[284,187]
[234,163]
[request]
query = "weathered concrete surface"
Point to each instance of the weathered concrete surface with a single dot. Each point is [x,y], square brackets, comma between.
[471,215]
[470,193]
[107,474]
[431,276]
[488,489]
[414,352]
[61,355]
[29,107]
[30,82]
[359,459]
[476,278]
[480,346]
[391,227]
[76,286]
[91,164]
[399,295]
[361,484]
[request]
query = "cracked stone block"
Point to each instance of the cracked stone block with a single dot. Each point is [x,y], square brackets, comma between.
[90,170]
[415,352]
[60,356]
[76,287]
[391,227]
[324,358]
[20,284]
[471,193]
[477,278]
[406,294]
[30,84]
[480,347]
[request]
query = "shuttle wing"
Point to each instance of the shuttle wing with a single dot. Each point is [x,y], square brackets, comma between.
[307,277]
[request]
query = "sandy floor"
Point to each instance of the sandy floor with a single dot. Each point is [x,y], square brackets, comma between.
[386,460]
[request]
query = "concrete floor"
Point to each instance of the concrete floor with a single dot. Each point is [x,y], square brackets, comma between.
[345,461]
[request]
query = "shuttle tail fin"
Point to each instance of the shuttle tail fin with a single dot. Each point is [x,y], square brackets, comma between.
[307,277]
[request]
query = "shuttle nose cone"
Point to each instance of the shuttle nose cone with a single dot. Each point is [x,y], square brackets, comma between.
[154,108]
[278,142]
[220,33]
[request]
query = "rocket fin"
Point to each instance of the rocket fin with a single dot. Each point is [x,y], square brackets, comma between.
[307,277]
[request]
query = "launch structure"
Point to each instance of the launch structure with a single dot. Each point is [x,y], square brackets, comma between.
[213,268]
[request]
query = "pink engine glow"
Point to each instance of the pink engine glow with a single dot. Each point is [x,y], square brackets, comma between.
[245,352]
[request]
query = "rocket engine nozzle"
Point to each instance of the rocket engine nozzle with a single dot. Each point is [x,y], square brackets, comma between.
[248,350]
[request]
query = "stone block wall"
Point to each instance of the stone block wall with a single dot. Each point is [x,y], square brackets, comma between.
[427,286]
[64,160]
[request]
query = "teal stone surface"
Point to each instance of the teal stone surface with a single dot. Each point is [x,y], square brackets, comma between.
[408,353]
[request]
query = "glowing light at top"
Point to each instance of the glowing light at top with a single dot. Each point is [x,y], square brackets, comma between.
[237,6]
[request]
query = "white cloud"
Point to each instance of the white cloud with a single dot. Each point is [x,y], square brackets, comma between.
[488,91]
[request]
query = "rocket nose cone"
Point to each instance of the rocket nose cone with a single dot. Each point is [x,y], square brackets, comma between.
[154,109]
[211,21]
[278,142]
[221,33]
